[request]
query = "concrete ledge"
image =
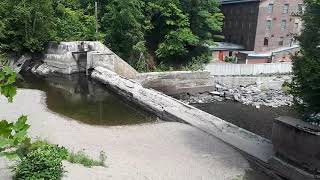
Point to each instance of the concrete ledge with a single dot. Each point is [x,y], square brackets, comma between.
[171,109]
[177,82]
[289,171]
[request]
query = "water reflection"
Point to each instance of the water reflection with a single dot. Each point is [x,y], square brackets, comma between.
[78,97]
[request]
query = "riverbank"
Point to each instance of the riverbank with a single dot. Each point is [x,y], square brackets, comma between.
[161,150]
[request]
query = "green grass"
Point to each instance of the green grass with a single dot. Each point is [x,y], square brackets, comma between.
[81,158]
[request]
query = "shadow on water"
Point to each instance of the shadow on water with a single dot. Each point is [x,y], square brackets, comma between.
[79,97]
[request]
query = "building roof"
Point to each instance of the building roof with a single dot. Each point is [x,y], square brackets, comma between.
[270,53]
[225,46]
[237,1]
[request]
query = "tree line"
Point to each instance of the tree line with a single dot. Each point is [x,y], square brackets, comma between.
[146,33]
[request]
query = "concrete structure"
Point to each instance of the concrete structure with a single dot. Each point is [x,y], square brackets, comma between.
[80,56]
[297,143]
[264,27]
[177,82]
[170,109]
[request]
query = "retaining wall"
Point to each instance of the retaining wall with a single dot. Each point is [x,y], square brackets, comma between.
[227,69]
[177,82]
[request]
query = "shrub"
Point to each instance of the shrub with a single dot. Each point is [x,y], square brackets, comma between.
[43,161]
[82,158]
[197,63]
[231,59]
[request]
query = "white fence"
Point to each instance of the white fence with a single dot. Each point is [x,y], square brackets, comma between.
[249,69]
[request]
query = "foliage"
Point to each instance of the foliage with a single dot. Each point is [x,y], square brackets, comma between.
[125,24]
[43,161]
[7,80]
[26,25]
[171,28]
[231,59]
[306,66]
[13,136]
[82,158]
[72,24]
[143,32]
[206,20]
[197,63]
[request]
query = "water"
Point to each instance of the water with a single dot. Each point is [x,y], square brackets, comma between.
[80,98]
[258,121]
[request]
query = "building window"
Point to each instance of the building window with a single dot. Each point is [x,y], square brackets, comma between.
[251,10]
[266,41]
[270,8]
[300,8]
[269,24]
[285,9]
[283,25]
[281,41]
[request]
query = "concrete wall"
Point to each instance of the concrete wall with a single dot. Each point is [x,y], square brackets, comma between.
[78,56]
[177,82]
[226,69]
[262,82]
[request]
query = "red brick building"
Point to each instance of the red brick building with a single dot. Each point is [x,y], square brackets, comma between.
[265,28]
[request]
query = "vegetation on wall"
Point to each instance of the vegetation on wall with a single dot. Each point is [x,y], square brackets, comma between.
[306,66]
[146,33]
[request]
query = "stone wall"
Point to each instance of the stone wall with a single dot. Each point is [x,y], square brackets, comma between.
[177,82]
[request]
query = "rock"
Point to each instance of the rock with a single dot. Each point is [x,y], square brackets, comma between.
[215,93]
[43,69]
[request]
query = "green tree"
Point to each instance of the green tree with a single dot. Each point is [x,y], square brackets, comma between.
[125,24]
[306,64]
[26,25]
[72,24]
[206,19]
[171,31]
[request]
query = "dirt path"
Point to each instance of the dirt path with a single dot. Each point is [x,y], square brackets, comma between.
[157,151]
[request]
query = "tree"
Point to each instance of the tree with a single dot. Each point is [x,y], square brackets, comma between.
[26,25]
[72,24]
[125,24]
[306,64]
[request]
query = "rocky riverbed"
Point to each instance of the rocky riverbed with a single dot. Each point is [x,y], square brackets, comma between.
[248,95]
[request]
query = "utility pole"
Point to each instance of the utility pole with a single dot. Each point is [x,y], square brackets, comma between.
[96,14]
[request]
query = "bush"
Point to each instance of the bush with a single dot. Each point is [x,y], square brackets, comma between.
[82,158]
[43,161]
[231,59]
[197,63]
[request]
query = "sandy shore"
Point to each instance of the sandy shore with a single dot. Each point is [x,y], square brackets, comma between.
[157,151]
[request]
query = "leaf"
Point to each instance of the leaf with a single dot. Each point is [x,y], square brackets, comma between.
[21,124]
[5,128]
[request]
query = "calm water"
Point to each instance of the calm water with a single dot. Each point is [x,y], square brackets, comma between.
[78,97]
[259,121]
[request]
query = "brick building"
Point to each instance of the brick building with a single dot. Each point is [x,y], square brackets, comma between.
[265,28]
